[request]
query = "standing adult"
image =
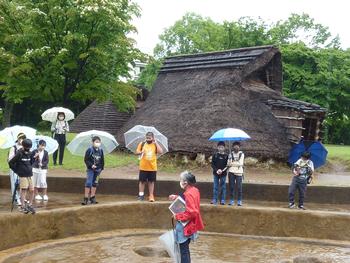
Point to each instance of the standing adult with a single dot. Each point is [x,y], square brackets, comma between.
[148,151]
[189,222]
[60,128]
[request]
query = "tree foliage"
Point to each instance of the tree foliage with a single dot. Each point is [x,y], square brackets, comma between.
[66,51]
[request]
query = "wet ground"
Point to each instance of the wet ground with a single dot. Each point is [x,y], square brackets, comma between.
[60,200]
[144,246]
[252,175]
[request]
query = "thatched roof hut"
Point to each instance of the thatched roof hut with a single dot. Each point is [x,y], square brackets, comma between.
[195,95]
[105,116]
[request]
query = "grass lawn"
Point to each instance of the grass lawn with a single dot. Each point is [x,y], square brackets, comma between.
[338,152]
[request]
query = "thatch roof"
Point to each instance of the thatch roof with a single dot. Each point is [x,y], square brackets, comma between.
[196,95]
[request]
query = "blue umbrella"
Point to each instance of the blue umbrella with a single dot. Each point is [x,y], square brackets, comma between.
[317,150]
[229,134]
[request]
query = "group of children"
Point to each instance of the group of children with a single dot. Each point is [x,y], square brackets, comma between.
[28,171]
[232,164]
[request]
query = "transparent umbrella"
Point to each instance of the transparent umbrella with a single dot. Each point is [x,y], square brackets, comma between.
[134,136]
[51,114]
[82,142]
[51,144]
[168,241]
[9,134]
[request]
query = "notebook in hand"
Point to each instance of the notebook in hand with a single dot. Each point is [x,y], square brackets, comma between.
[178,206]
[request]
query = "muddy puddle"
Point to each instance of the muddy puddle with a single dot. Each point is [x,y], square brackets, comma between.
[139,246]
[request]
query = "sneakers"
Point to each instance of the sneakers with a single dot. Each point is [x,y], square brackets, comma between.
[140,197]
[239,203]
[93,200]
[18,201]
[46,198]
[214,202]
[38,197]
[31,209]
[151,198]
[291,205]
[85,201]
[232,202]
[222,202]
[301,207]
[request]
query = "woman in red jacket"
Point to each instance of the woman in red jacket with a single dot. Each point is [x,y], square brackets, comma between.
[189,222]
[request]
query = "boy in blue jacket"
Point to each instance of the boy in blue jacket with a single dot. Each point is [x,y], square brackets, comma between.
[94,161]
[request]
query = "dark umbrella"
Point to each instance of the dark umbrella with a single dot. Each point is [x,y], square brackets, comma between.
[317,150]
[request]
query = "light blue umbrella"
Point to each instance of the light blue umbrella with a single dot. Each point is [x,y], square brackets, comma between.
[229,134]
[51,144]
[10,134]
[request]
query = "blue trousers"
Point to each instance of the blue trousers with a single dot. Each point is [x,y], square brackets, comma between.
[299,185]
[185,251]
[233,181]
[219,182]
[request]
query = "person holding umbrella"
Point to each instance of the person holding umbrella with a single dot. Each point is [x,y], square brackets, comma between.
[148,151]
[189,222]
[94,161]
[302,176]
[60,128]
[13,176]
[219,165]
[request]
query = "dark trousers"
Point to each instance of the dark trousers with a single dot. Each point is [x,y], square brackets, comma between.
[219,181]
[299,185]
[61,139]
[185,251]
[234,180]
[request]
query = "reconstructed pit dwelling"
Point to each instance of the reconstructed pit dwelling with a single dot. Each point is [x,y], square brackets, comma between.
[128,231]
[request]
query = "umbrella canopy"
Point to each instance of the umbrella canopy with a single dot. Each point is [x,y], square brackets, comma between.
[229,134]
[168,241]
[317,150]
[51,144]
[137,134]
[10,135]
[51,114]
[82,142]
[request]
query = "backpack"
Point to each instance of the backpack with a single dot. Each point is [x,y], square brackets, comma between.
[143,143]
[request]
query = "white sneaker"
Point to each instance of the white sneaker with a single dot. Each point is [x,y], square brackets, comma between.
[38,197]
[19,202]
[46,198]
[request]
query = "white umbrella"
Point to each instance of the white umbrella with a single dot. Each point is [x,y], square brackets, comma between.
[134,136]
[51,114]
[82,142]
[10,134]
[168,241]
[51,144]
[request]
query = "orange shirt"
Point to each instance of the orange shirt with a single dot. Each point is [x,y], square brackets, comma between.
[148,161]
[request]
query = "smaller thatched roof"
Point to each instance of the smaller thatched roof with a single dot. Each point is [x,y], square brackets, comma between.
[298,105]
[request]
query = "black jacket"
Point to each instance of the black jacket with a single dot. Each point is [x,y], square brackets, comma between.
[21,163]
[44,162]
[219,161]
[94,157]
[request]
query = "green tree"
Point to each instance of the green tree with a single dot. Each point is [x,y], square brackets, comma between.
[67,51]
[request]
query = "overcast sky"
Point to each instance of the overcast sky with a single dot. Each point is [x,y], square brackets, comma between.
[156,15]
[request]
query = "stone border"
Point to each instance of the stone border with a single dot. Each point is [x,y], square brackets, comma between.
[261,192]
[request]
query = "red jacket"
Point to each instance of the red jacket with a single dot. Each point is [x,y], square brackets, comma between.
[192,213]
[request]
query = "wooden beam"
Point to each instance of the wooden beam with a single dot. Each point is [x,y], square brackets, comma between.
[289,118]
[295,127]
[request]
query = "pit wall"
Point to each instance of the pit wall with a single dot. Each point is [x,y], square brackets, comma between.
[262,192]
[19,229]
